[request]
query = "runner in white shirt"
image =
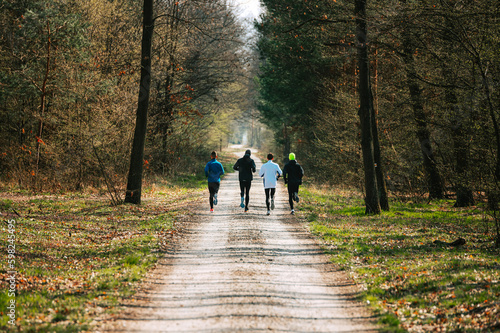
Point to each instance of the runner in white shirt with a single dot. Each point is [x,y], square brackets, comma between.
[271,172]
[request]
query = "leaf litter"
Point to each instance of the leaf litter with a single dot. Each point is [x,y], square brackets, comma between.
[413,284]
[78,256]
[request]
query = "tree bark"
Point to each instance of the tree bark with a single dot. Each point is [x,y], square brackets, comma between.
[493,195]
[365,113]
[493,120]
[463,191]
[379,169]
[433,176]
[43,97]
[377,155]
[465,197]
[286,143]
[134,183]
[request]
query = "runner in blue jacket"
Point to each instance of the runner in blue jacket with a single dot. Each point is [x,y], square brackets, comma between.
[213,170]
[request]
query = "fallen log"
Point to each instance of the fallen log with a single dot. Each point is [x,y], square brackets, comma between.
[458,242]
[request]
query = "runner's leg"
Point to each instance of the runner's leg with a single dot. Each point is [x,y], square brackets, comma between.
[292,189]
[273,190]
[267,190]
[242,187]
[216,189]
[242,191]
[247,193]
[211,189]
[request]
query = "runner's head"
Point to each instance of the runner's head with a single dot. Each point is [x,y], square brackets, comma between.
[214,154]
[248,152]
[270,156]
[291,157]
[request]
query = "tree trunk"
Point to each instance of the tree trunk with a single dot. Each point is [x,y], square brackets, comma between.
[365,113]
[493,120]
[430,166]
[377,155]
[379,169]
[463,191]
[493,195]
[465,197]
[286,144]
[43,96]
[134,183]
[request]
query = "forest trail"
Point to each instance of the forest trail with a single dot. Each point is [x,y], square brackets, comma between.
[244,272]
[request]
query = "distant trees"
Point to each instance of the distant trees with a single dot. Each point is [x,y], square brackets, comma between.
[69,73]
[433,78]
[199,70]
[42,54]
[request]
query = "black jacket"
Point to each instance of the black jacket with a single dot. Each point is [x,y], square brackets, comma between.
[246,167]
[293,173]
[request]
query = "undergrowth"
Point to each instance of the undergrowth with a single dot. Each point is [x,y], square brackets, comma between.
[411,282]
[77,255]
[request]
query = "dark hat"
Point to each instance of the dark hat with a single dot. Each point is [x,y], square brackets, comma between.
[248,152]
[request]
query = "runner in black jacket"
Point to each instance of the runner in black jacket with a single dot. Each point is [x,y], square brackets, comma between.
[293,173]
[246,168]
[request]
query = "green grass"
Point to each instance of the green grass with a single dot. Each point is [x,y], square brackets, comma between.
[77,256]
[411,282]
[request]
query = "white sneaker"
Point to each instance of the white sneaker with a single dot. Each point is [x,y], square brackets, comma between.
[268,212]
[272,204]
[293,212]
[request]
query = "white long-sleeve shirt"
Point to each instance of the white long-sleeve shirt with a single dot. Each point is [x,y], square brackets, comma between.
[270,172]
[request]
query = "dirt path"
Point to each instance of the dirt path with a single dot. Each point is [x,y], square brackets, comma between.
[245,272]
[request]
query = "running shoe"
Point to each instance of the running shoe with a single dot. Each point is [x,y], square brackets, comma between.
[293,212]
[242,204]
[272,204]
[211,210]
[215,199]
[268,212]
[295,196]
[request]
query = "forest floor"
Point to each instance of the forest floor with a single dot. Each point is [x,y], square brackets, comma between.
[82,264]
[411,277]
[77,256]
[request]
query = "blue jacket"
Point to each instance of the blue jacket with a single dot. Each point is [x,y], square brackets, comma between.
[213,170]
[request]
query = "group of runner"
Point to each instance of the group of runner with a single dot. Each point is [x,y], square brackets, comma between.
[270,172]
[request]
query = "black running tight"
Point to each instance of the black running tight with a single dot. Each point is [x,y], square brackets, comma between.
[269,191]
